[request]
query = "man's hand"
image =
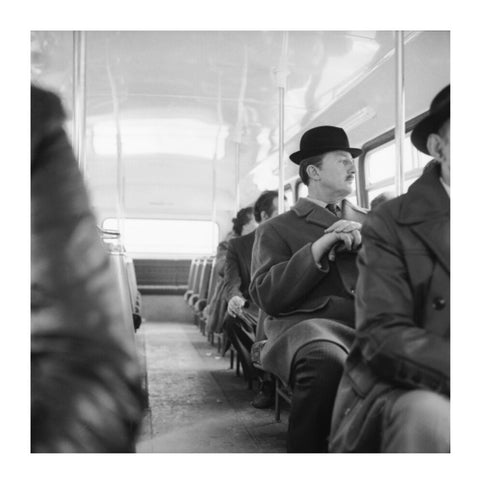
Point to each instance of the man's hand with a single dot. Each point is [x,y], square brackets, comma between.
[348,236]
[342,235]
[235,305]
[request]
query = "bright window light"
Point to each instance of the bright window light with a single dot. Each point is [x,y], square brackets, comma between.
[188,137]
[179,238]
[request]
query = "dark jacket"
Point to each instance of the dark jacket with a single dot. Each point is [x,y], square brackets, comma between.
[237,266]
[296,292]
[402,311]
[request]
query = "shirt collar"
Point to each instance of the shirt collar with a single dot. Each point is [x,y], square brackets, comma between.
[447,188]
[322,203]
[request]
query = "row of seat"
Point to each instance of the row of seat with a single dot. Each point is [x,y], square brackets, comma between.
[123,267]
[203,282]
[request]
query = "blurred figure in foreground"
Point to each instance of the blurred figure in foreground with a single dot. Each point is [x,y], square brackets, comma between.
[85,378]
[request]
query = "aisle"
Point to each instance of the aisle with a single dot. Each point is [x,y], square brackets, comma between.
[197,404]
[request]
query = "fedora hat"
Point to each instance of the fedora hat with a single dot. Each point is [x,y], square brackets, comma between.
[323,139]
[439,112]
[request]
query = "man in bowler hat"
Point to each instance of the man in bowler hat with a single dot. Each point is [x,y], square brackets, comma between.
[303,277]
[395,393]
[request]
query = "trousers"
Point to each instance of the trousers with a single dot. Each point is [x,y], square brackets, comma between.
[416,421]
[316,371]
[242,336]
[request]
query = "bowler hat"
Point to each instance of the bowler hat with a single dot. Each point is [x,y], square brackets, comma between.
[323,139]
[439,112]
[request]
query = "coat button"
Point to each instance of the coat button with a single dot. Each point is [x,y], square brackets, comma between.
[352,291]
[439,303]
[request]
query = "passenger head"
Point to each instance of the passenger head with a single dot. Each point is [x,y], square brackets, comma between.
[432,134]
[381,198]
[326,163]
[244,222]
[266,206]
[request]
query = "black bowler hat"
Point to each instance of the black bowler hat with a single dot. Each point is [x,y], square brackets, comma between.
[438,114]
[323,139]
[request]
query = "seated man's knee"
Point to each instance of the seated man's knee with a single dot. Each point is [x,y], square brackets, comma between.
[418,421]
[320,361]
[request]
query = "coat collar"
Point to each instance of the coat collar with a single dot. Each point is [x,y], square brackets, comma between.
[426,207]
[426,199]
[317,215]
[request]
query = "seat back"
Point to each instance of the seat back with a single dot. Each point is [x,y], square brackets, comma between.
[205,279]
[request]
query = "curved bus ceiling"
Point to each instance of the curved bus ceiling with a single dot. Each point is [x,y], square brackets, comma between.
[186,99]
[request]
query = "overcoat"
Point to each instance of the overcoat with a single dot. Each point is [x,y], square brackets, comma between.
[237,266]
[402,312]
[305,301]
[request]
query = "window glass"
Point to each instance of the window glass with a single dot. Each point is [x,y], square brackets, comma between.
[380,167]
[380,163]
[302,190]
[179,238]
[289,195]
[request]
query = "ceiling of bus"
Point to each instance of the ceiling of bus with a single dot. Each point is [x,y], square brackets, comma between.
[186,104]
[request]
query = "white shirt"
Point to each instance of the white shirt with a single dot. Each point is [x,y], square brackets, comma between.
[445,185]
[323,204]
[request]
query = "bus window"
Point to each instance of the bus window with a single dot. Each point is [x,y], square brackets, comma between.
[289,195]
[380,167]
[166,238]
[302,190]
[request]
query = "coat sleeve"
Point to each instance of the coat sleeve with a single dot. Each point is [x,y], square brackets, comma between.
[233,279]
[281,279]
[395,347]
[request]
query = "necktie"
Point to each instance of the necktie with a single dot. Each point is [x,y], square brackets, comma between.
[333,208]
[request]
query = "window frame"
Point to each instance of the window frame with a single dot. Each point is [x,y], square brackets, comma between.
[384,138]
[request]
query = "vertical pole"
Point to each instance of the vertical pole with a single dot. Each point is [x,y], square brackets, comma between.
[237,176]
[120,171]
[281,167]
[79,97]
[215,158]
[282,74]
[214,198]
[399,111]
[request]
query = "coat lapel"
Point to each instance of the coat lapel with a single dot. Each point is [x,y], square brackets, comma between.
[314,213]
[435,234]
[427,211]
[317,215]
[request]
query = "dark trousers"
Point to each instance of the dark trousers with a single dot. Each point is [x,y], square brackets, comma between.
[316,371]
[242,336]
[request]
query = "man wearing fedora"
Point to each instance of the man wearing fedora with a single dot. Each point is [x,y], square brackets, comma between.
[303,277]
[395,393]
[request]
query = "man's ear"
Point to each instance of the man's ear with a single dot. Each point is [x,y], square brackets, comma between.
[263,215]
[312,172]
[435,146]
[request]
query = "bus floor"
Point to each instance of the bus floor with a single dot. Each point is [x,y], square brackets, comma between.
[197,404]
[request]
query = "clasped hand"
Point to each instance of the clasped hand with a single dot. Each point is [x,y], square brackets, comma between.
[346,235]
[235,305]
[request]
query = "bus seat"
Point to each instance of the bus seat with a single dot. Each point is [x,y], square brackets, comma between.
[191,278]
[282,390]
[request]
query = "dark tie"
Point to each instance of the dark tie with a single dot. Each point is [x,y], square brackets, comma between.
[333,208]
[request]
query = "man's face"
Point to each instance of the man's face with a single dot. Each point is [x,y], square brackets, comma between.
[438,145]
[445,135]
[274,208]
[337,173]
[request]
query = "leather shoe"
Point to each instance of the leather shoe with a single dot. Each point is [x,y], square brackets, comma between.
[265,397]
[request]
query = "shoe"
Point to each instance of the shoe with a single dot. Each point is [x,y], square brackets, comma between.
[265,397]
